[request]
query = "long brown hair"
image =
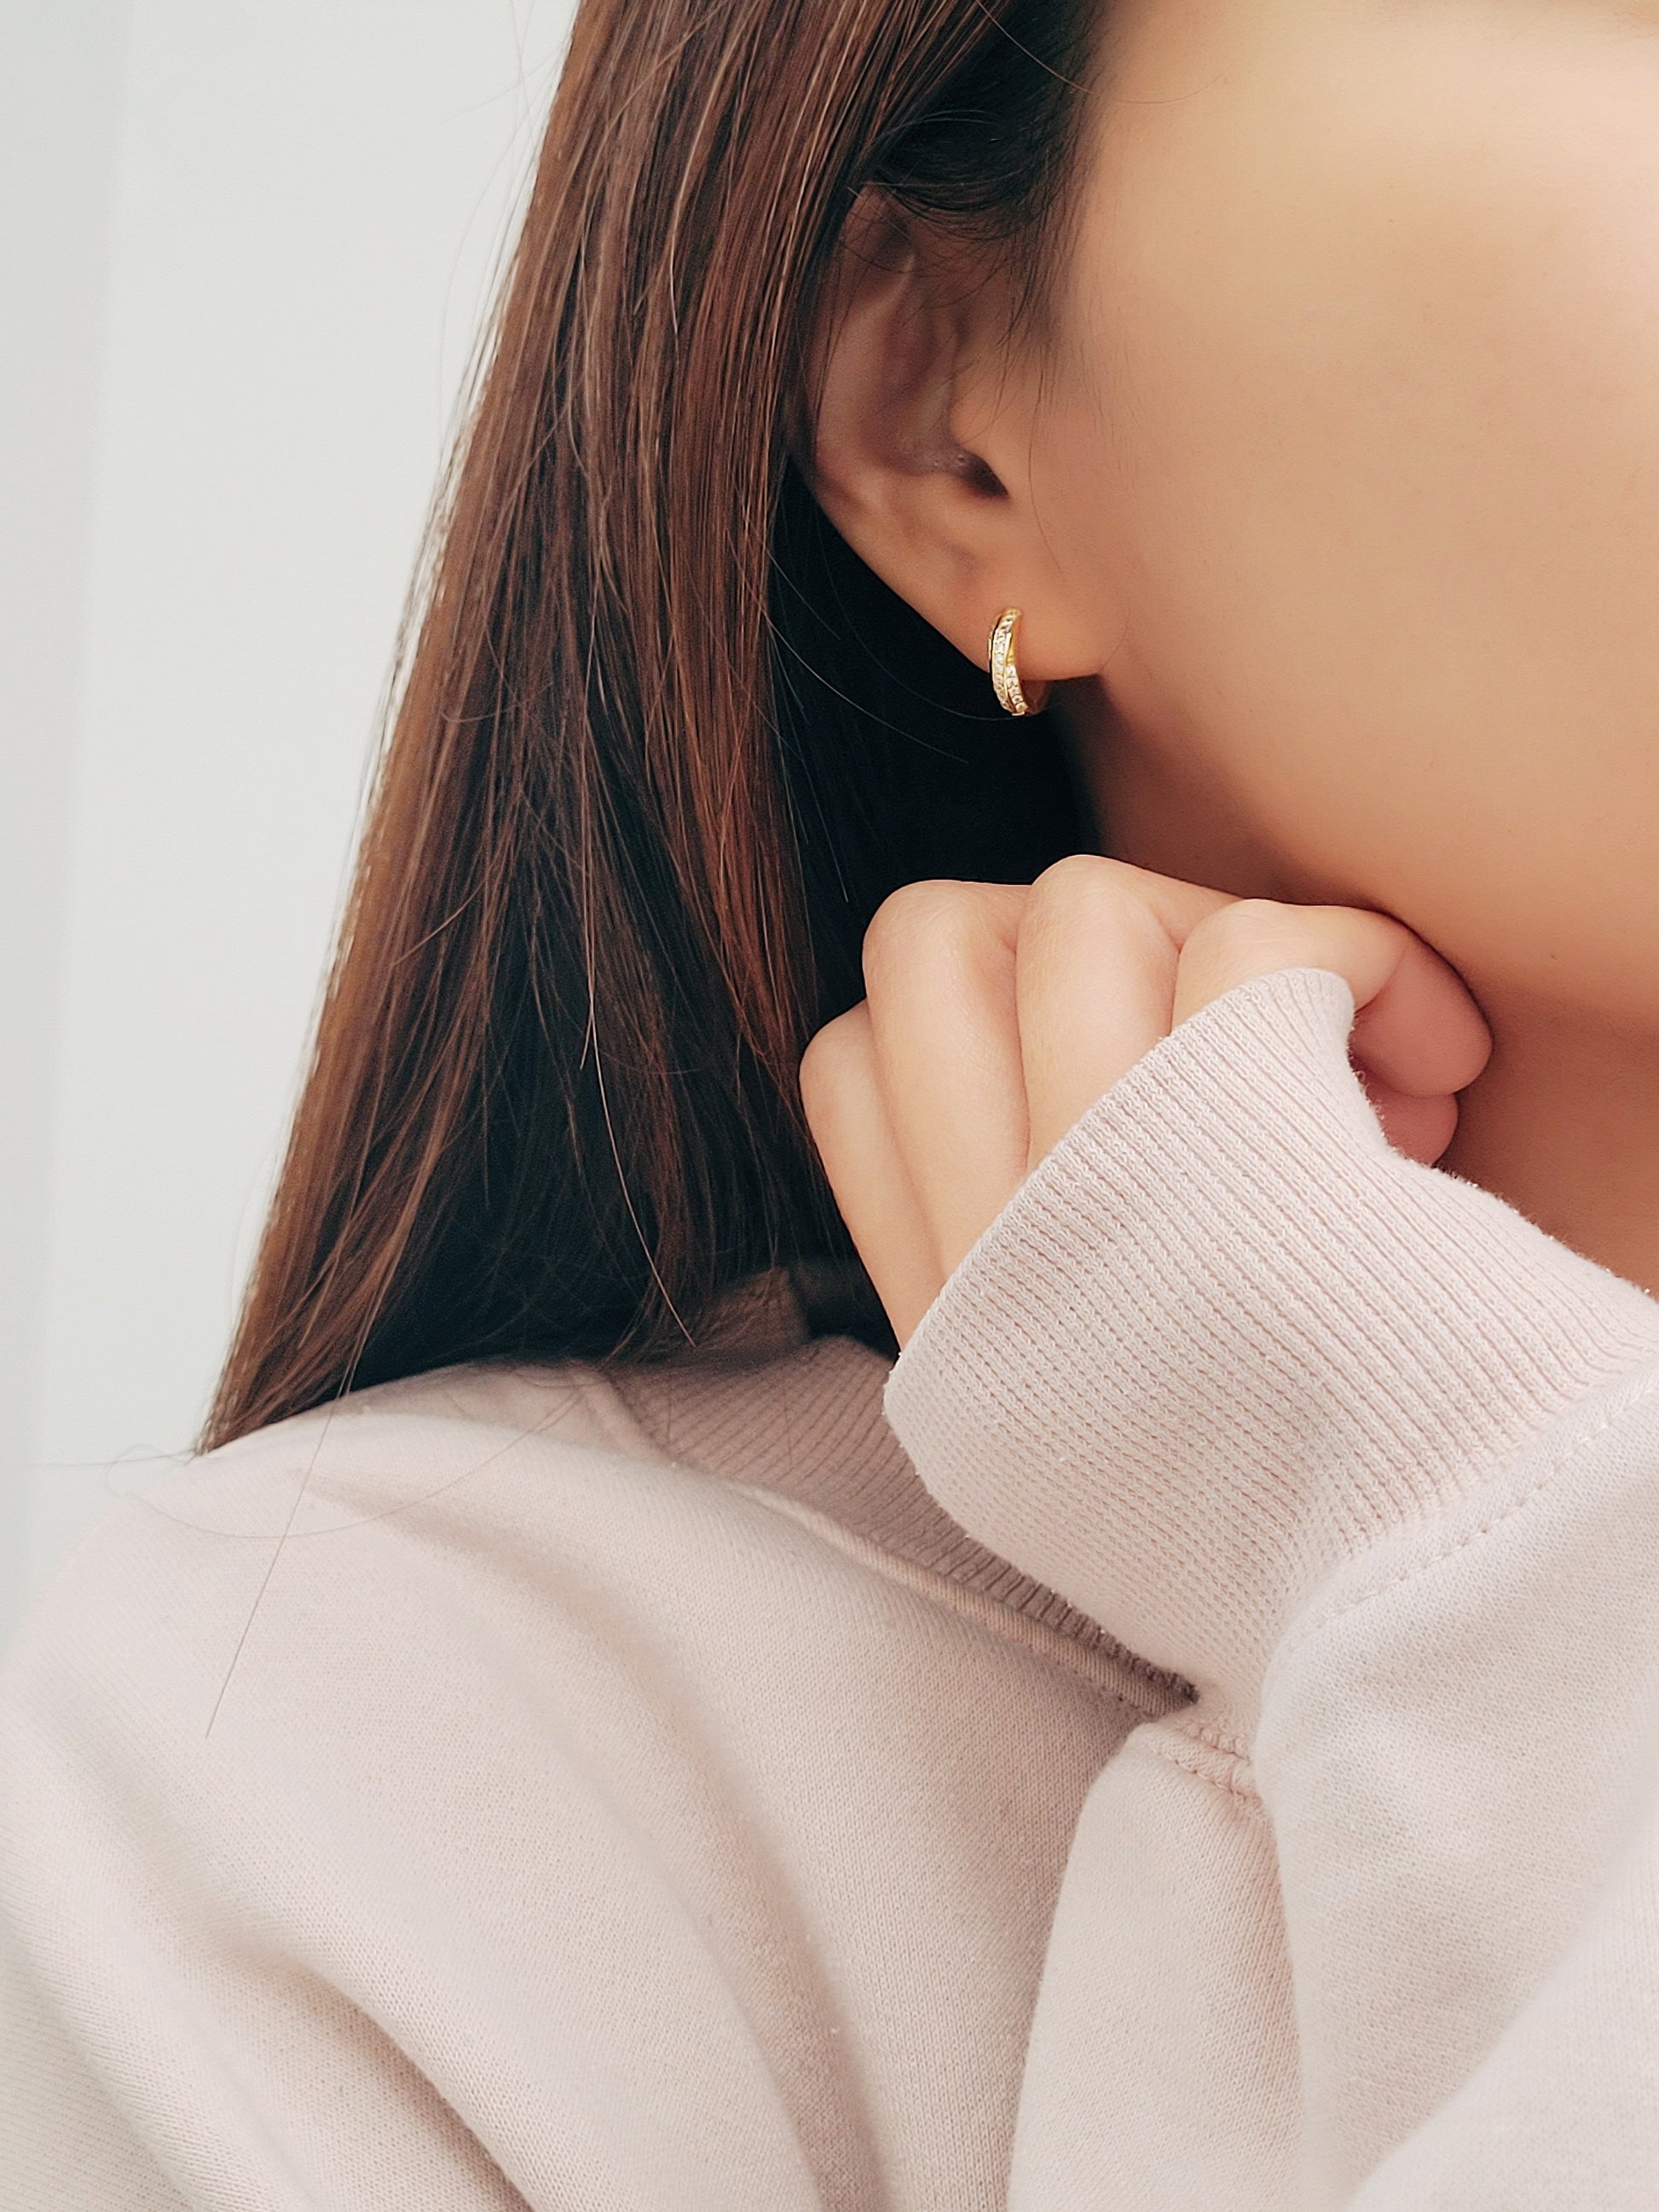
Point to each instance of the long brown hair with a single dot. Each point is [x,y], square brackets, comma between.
[661,743]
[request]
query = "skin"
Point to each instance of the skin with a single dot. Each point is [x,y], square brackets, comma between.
[1330,496]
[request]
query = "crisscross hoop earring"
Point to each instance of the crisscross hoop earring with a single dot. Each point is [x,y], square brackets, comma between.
[1005,666]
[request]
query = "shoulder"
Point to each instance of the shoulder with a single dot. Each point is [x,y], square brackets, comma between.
[495,1589]
[402,1643]
[741,1530]
[364,1770]
[358,1533]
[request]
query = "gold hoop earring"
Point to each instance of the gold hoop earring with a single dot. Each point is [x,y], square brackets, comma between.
[1005,666]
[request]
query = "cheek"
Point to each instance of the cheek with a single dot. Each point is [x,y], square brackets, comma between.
[1375,324]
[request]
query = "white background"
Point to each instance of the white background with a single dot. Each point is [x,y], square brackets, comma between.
[244,249]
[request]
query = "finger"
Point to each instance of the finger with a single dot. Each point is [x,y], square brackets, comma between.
[939,959]
[1416,1025]
[842,1094]
[1096,964]
[1421,1127]
[1422,1032]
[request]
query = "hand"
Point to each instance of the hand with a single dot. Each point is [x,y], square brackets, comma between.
[998,1014]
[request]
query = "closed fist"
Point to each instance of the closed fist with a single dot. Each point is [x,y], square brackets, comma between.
[998,1014]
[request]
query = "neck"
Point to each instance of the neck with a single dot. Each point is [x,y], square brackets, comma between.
[1563,1123]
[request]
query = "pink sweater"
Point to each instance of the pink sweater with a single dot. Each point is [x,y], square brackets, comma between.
[1203,1755]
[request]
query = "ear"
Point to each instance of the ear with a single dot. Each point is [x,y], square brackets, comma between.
[925,423]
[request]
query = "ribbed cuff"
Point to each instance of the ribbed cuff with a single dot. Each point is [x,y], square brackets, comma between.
[1225,1337]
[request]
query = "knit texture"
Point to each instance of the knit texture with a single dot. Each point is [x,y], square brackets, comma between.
[1184,1739]
[1226,1337]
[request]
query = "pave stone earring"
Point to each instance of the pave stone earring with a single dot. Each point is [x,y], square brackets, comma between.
[1005,667]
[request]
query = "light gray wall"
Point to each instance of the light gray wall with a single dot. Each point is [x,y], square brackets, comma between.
[273,291]
[61,64]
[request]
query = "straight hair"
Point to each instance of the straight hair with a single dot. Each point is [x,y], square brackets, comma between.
[658,743]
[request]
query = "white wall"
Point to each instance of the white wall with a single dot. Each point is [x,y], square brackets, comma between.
[277,274]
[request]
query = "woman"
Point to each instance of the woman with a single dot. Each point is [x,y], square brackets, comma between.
[1014,1560]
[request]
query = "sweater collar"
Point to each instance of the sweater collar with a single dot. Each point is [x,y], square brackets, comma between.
[772,1398]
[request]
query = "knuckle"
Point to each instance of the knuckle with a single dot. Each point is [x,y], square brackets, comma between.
[1075,897]
[1087,878]
[825,1057]
[1083,883]
[913,917]
[1255,921]
[1254,936]
[1073,871]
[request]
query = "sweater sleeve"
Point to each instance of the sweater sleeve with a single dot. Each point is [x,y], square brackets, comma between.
[1373,1462]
